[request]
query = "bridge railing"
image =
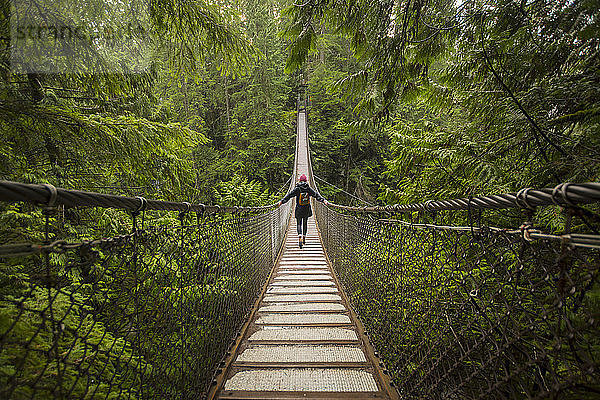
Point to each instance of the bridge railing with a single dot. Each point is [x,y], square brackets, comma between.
[146,313]
[459,308]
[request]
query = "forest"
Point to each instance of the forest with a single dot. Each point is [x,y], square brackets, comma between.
[409,101]
[196,101]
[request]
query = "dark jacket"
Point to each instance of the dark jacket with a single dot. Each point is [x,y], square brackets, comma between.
[302,211]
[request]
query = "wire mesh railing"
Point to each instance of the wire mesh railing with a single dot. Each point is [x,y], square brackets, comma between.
[461,309]
[148,313]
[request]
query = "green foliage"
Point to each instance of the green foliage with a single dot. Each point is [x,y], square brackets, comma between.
[193,31]
[112,363]
[239,192]
[209,112]
[247,118]
[103,130]
[473,97]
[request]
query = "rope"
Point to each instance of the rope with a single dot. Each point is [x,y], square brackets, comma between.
[51,196]
[528,232]
[564,194]
[284,185]
[343,191]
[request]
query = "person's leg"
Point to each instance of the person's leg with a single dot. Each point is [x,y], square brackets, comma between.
[304,229]
[299,230]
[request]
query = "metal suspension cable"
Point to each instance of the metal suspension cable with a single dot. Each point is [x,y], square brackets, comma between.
[528,232]
[564,194]
[343,191]
[285,184]
[43,194]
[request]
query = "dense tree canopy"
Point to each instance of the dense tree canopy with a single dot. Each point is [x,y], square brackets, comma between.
[410,100]
[475,96]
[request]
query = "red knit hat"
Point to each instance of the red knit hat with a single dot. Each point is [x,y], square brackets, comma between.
[302,178]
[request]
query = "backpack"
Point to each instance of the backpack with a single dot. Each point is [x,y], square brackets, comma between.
[303,199]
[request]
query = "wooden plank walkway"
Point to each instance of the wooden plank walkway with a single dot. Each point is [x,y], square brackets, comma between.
[303,341]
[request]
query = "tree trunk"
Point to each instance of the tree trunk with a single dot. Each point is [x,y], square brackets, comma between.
[226,101]
[4,40]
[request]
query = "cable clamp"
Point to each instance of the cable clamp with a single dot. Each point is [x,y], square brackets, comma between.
[188,206]
[521,199]
[50,206]
[182,214]
[429,205]
[562,189]
[53,194]
[217,211]
[527,229]
[142,207]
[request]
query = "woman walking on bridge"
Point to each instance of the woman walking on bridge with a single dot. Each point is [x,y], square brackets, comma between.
[302,192]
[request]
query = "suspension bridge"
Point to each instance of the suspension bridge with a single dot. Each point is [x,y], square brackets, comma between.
[449,299]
